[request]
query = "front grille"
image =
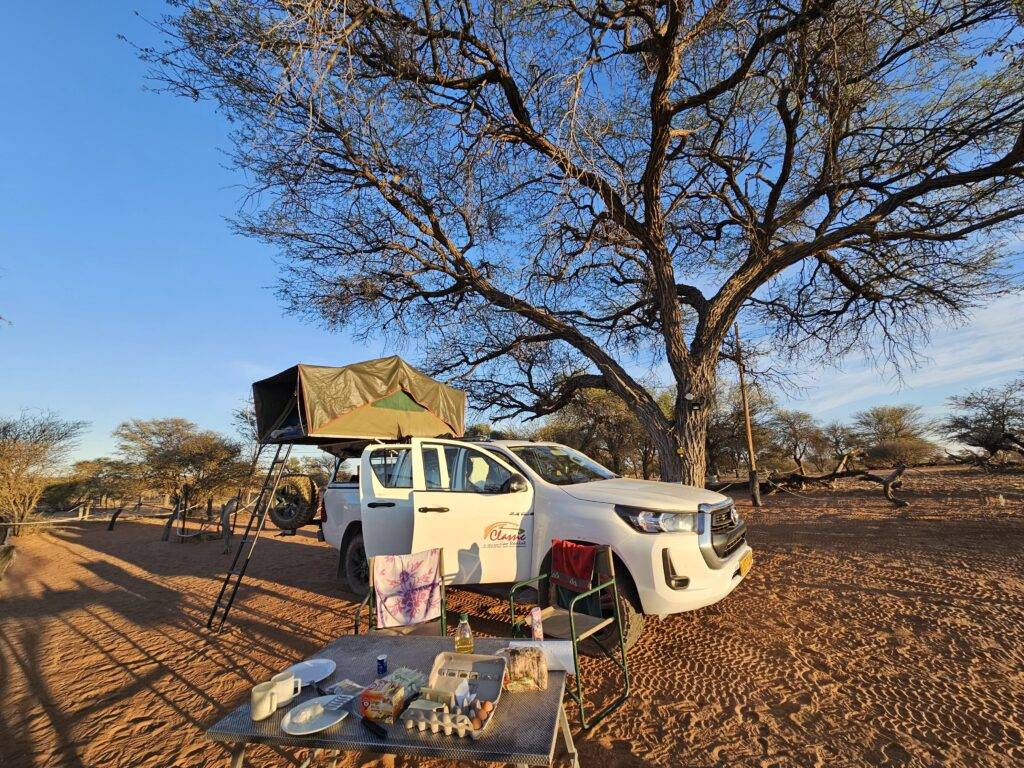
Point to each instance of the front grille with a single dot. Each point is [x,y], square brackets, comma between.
[727,533]
[721,520]
[724,553]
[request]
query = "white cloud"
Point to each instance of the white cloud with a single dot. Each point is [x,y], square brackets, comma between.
[983,352]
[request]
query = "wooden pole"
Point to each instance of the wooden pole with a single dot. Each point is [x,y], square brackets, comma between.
[755,485]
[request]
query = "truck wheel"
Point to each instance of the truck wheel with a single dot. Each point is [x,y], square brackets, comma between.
[632,627]
[357,566]
[632,621]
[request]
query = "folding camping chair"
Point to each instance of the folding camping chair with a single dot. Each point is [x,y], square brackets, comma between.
[581,580]
[406,595]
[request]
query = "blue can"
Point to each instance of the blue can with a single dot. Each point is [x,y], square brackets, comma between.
[382,665]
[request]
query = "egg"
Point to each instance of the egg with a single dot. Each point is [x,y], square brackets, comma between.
[476,724]
[487,706]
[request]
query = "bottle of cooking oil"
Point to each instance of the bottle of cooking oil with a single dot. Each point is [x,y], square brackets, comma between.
[464,636]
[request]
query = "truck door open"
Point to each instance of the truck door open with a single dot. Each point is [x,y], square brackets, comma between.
[385,499]
[464,500]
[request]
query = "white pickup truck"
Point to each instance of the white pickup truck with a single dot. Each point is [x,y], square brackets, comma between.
[495,507]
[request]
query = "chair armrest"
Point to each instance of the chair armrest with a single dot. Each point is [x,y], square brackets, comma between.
[359,610]
[526,582]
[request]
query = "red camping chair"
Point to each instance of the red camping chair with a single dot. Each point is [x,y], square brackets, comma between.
[582,577]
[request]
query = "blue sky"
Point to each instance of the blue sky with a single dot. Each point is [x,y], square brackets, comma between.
[126,293]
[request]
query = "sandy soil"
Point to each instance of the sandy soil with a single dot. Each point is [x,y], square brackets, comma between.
[863,636]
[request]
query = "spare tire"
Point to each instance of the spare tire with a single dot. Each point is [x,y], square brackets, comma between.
[291,507]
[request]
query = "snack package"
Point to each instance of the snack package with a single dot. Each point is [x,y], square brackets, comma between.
[385,698]
[527,670]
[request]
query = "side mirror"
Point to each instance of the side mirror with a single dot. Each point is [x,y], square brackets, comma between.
[517,484]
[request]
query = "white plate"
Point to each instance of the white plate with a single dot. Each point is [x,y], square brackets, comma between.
[326,719]
[313,670]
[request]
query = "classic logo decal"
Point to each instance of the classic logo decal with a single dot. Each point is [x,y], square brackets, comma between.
[505,533]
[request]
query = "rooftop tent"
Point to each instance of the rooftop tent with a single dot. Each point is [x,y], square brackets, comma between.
[384,399]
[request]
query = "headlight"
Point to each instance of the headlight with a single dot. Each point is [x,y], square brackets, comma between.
[649,521]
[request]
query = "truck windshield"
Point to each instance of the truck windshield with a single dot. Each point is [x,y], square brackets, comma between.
[560,465]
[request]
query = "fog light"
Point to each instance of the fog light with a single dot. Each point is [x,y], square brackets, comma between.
[674,580]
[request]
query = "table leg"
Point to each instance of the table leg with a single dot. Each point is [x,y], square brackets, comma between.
[570,747]
[237,756]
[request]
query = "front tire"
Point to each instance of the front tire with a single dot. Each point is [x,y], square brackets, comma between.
[357,566]
[632,620]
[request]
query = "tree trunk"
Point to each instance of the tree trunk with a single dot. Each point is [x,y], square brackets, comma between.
[693,433]
[668,457]
[692,426]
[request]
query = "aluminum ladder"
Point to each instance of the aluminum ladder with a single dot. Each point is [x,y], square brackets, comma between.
[253,529]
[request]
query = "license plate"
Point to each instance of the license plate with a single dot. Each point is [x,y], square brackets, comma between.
[745,562]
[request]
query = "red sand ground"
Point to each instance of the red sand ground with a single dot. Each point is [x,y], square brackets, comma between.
[861,637]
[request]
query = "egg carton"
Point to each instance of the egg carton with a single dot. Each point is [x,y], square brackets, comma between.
[471,706]
[469,720]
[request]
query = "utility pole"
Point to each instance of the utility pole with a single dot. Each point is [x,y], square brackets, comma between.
[755,485]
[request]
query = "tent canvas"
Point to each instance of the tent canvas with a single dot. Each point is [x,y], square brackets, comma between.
[383,399]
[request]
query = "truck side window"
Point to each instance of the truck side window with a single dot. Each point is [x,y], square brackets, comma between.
[432,468]
[345,471]
[481,474]
[463,469]
[392,467]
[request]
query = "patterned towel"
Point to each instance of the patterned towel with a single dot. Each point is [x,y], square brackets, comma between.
[407,588]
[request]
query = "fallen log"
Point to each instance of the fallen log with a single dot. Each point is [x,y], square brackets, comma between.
[890,483]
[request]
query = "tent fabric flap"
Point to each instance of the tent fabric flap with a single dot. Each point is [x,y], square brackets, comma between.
[377,399]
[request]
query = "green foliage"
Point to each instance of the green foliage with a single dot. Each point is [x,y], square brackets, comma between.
[798,435]
[895,434]
[94,479]
[173,456]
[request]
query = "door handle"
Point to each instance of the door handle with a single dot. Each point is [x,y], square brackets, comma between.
[433,509]
[375,504]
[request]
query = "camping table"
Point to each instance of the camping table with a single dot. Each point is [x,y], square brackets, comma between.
[523,732]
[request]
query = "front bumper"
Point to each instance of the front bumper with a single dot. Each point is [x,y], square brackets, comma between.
[677,572]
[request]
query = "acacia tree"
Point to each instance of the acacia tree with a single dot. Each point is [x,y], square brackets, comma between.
[555,194]
[991,419]
[895,433]
[174,456]
[798,434]
[33,446]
